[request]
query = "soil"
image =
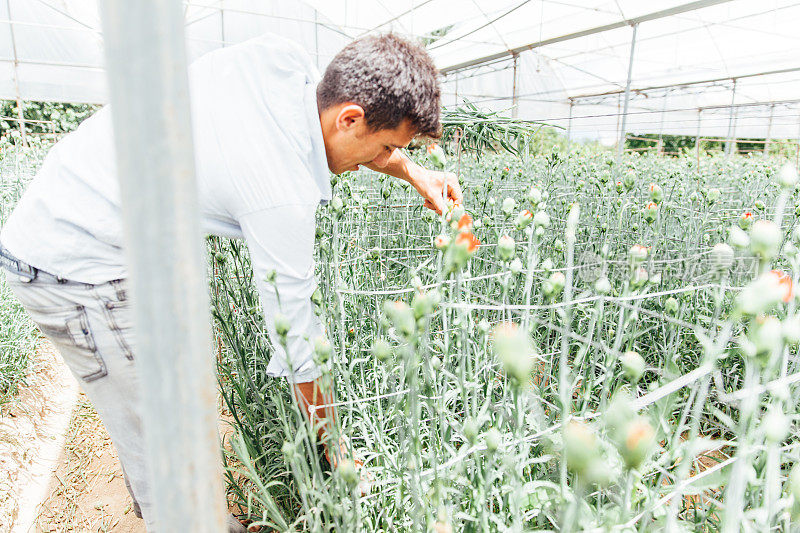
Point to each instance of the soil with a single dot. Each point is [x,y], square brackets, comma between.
[32,428]
[87,491]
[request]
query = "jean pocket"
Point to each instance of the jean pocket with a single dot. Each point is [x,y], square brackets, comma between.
[70,332]
[118,318]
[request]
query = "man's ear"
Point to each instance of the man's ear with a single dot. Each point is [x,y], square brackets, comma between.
[350,116]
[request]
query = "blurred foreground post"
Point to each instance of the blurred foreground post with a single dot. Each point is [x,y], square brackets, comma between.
[148,82]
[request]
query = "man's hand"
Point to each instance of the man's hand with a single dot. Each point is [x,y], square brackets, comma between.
[430,184]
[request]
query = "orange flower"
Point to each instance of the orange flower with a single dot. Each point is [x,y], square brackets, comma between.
[431,147]
[465,222]
[784,281]
[469,240]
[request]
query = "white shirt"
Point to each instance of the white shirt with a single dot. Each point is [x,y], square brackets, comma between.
[261,173]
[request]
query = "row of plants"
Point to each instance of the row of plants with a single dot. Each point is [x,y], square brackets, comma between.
[583,345]
[18,335]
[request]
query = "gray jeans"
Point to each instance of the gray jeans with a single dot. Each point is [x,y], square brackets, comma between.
[90,325]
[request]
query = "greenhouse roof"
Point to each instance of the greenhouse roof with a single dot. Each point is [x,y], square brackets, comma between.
[552,59]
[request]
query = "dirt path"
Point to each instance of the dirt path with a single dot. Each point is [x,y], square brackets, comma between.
[87,492]
[32,429]
[59,471]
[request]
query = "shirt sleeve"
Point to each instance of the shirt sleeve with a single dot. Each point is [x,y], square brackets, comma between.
[282,238]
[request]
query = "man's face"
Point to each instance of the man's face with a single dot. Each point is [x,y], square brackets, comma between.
[349,142]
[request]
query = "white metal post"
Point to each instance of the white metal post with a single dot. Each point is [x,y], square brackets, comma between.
[569,126]
[20,111]
[222,22]
[660,147]
[769,130]
[729,143]
[149,89]
[697,139]
[514,96]
[797,154]
[623,133]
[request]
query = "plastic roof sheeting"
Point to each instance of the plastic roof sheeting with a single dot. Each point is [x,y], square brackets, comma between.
[59,53]
[58,43]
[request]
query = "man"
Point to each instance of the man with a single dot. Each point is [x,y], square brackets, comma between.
[266,134]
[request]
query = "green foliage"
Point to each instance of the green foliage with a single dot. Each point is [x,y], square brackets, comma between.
[476,131]
[676,145]
[43,117]
[18,335]
[434,399]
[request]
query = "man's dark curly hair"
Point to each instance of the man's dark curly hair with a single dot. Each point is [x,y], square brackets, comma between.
[392,78]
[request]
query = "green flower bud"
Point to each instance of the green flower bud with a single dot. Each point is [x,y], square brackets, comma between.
[493,439]
[381,349]
[470,430]
[534,196]
[765,239]
[602,286]
[288,450]
[515,351]
[775,425]
[436,155]
[633,365]
[580,447]
[316,297]
[282,324]
[322,349]
[508,206]
[554,284]
[347,471]
[505,248]
[541,219]
[671,306]
[787,177]
[337,205]
[722,257]
[640,439]
[401,317]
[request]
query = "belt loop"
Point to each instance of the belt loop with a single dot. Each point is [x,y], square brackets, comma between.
[26,272]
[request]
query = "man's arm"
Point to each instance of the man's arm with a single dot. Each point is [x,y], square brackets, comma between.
[428,183]
[281,240]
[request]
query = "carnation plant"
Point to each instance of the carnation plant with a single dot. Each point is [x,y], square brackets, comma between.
[581,346]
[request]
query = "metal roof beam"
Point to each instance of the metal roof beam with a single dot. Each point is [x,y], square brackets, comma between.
[688,83]
[683,8]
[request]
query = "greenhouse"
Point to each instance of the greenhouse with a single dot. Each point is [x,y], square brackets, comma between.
[429,265]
